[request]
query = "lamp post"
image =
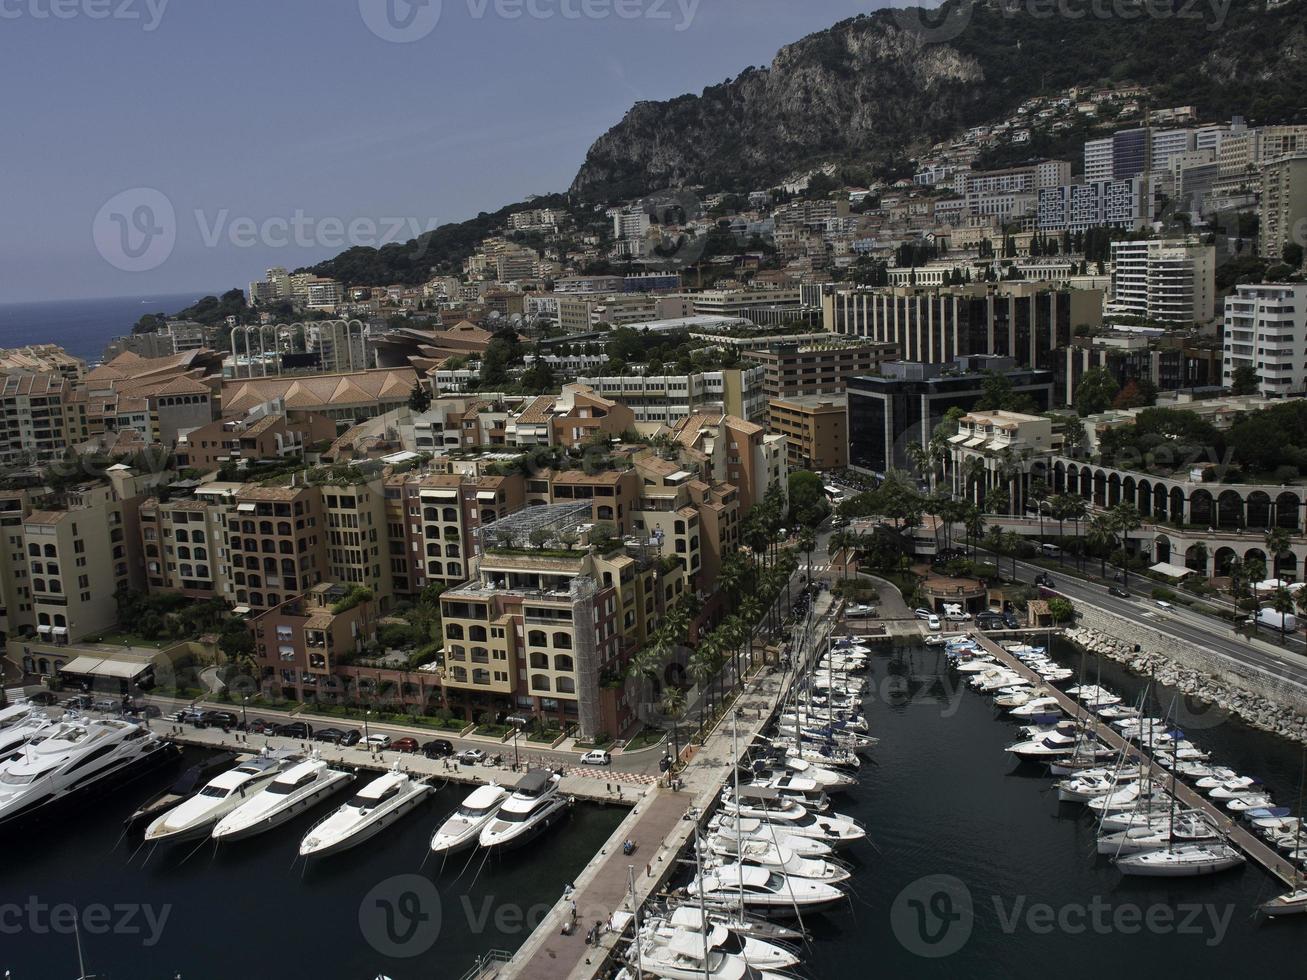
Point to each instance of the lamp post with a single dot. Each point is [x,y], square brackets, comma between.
[366,734]
[517,728]
[245,725]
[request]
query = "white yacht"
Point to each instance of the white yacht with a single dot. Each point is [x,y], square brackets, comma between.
[729,833]
[19,734]
[221,795]
[763,855]
[1092,783]
[1232,789]
[1181,861]
[680,956]
[1034,707]
[760,954]
[1290,903]
[63,759]
[288,795]
[462,828]
[379,804]
[796,821]
[14,713]
[831,780]
[766,891]
[1188,829]
[535,805]
[821,755]
[1043,747]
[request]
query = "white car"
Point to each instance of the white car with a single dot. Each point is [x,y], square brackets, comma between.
[1163,604]
[958,617]
[922,613]
[860,609]
[596,757]
[377,740]
[932,623]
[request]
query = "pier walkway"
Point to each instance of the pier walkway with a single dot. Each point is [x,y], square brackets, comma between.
[1252,846]
[662,825]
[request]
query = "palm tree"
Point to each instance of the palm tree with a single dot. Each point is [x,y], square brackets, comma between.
[673,706]
[1076,508]
[974,521]
[1277,543]
[1012,545]
[973,472]
[839,542]
[1282,602]
[1101,537]
[1038,494]
[1125,519]
[750,614]
[1254,571]
[807,544]
[703,665]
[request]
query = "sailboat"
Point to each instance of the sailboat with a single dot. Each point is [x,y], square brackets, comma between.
[1294,901]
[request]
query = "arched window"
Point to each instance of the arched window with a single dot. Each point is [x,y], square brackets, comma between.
[562,641]
[537,638]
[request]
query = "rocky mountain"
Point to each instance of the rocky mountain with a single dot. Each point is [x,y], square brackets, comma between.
[877,88]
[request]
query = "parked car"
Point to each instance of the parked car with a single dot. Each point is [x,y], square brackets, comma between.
[437,748]
[932,623]
[219,719]
[1163,604]
[295,729]
[145,711]
[923,613]
[989,621]
[472,757]
[78,702]
[377,740]
[1044,579]
[1010,621]
[259,726]
[351,737]
[106,704]
[860,609]
[43,698]
[1119,592]
[333,735]
[596,757]
[405,744]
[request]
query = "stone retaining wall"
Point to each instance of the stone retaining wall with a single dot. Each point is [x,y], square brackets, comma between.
[1214,686]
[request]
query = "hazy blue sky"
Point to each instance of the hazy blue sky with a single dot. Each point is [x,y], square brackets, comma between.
[259,109]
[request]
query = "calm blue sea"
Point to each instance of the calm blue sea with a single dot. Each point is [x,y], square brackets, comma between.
[82,326]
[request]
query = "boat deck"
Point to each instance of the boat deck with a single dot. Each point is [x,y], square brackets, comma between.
[1247,842]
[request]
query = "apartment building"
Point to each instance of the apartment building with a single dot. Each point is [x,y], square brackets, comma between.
[41,359]
[798,369]
[355,524]
[1266,329]
[1170,281]
[1021,320]
[1284,203]
[184,543]
[302,643]
[668,398]
[15,594]
[738,302]
[39,416]
[1027,178]
[265,437]
[816,430]
[732,450]
[276,544]
[341,397]
[995,439]
[1119,203]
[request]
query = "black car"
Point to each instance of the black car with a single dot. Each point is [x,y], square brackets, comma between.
[1010,621]
[1045,580]
[296,729]
[145,711]
[1119,592]
[43,698]
[989,622]
[328,735]
[260,727]
[219,719]
[350,737]
[437,748]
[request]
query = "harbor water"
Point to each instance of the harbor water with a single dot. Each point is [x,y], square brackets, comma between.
[251,909]
[977,871]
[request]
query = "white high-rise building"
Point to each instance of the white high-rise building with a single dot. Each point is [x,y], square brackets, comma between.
[1166,280]
[1098,160]
[1266,329]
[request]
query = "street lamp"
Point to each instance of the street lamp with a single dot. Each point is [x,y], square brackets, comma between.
[366,734]
[245,725]
[516,761]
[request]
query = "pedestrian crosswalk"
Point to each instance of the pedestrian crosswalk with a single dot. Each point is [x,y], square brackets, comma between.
[612,775]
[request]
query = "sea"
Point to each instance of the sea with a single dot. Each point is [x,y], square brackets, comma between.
[83,326]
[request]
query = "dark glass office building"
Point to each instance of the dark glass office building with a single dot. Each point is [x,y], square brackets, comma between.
[902,406]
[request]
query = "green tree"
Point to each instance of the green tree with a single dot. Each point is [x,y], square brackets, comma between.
[1095,392]
[419,399]
[808,503]
[1061,609]
[1244,381]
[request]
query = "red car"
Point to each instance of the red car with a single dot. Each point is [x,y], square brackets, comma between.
[405,745]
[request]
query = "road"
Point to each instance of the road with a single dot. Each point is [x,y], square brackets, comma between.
[1179,622]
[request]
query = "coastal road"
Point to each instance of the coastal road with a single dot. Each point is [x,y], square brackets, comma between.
[1179,622]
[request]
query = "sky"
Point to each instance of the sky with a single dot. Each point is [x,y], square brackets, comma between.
[165,146]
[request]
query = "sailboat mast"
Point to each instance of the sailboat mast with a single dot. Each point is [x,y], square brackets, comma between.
[703,905]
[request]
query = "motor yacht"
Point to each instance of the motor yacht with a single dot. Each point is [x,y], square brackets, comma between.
[1290,903]
[60,761]
[535,805]
[462,828]
[197,816]
[760,954]
[290,793]
[729,833]
[379,804]
[764,855]
[185,786]
[770,892]
[797,821]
